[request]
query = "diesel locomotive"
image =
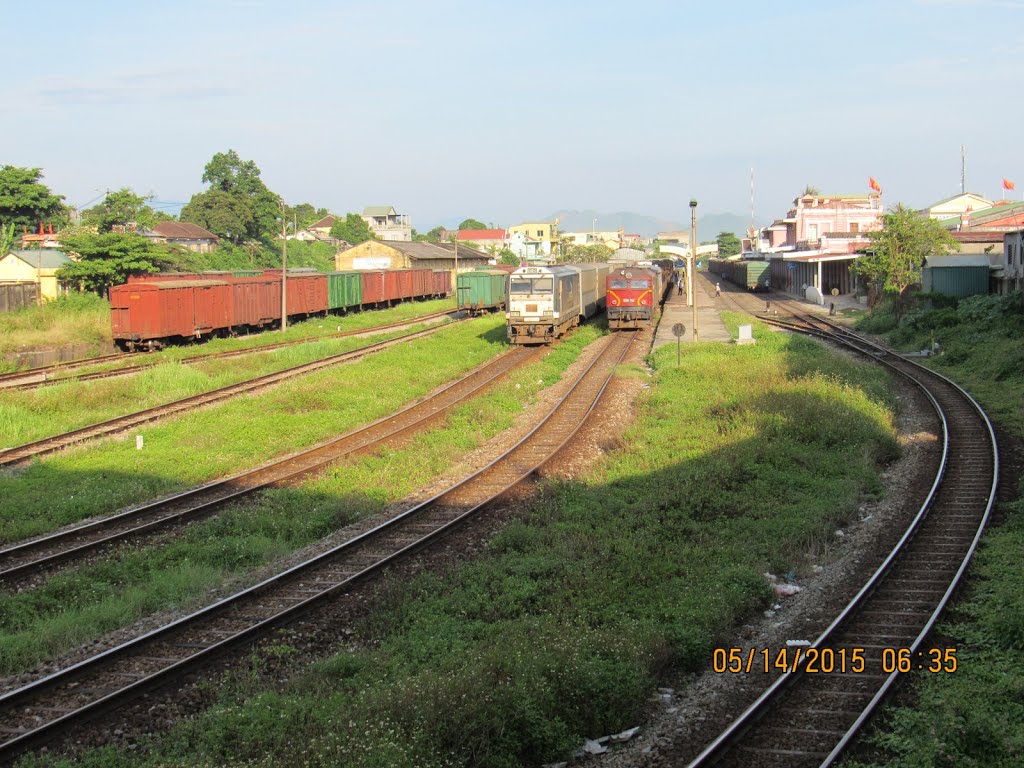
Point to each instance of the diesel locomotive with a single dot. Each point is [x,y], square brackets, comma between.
[544,303]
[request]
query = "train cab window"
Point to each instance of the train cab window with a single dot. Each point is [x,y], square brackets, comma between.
[639,284]
[617,285]
[531,286]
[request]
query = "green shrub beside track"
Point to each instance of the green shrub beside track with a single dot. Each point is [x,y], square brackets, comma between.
[975,717]
[741,460]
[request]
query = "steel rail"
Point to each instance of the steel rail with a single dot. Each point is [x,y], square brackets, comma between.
[759,708]
[118,424]
[148,363]
[201,500]
[452,506]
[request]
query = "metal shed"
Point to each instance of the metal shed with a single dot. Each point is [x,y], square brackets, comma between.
[956,275]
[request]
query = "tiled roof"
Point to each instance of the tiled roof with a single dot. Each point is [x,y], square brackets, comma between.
[481,234]
[183,230]
[325,223]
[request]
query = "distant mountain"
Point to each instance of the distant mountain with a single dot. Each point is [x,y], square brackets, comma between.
[708,226]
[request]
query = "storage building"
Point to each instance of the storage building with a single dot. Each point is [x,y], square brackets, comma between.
[957,275]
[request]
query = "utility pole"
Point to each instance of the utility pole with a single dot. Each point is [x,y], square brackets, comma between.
[284,266]
[963,169]
[693,264]
[455,247]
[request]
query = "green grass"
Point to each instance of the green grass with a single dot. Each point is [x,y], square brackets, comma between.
[561,628]
[975,716]
[200,445]
[79,605]
[36,413]
[73,319]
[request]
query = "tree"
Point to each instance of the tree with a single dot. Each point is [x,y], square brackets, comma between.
[120,208]
[433,236]
[811,190]
[232,178]
[893,261]
[472,224]
[508,257]
[226,215]
[352,229]
[108,259]
[587,253]
[728,244]
[24,202]
[304,214]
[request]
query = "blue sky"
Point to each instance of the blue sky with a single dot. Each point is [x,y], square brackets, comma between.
[511,110]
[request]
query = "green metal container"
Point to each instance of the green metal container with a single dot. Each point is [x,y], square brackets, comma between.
[958,282]
[758,275]
[344,290]
[482,289]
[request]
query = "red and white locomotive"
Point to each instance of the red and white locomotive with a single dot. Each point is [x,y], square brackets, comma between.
[634,293]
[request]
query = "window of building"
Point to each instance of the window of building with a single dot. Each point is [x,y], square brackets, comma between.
[540,233]
[854,226]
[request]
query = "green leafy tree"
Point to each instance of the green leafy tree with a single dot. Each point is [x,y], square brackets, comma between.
[7,237]
[25,202]
[121,208]
[472,224]
[811,190]
[108,259]
[898,250]
[575,254]
[508,257]
[352,229]
[254,208]
[227,215]
[304,214]
[728,244]
[433,236]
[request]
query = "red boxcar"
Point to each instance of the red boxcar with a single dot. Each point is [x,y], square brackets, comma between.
[422,282]
[392,285]
[256,301]
[307,291]
[374,288]
[442,282]
[166,310]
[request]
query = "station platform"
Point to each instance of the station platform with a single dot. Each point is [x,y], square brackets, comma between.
[709,320]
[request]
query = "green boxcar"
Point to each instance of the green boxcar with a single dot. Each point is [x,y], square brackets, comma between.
[758,275]
[482,290]
[344,290]
[247,273]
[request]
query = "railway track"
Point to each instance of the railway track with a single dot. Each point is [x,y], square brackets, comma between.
[119,424]
[29,558]
[54,374]
[809,716]
[41,711]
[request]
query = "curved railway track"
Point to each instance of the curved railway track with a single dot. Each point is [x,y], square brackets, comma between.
[808,718]
[53,374]
[42,710]
[27,559]
[119,424]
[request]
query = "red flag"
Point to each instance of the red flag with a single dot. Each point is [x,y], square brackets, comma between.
[874,184]
[1007,184]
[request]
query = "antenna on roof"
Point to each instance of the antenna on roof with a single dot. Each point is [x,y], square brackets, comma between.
[753,225]
[963,170]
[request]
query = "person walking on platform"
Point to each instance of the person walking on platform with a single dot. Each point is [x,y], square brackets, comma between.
[679,285]
[718,290]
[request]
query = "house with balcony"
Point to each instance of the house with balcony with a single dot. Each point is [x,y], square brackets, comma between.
[1009,274]
[387,224]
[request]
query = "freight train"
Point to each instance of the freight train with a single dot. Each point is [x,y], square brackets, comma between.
[152,311]
[635,292]
[546,302]
[752,275]
[482,290]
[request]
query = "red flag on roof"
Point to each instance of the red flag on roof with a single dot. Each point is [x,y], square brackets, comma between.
[1007,184]
[874,184]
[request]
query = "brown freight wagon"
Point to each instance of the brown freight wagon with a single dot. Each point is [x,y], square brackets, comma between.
[422,283]
[153,314]
[307,292]
[404,284]
[374,287]
[256,301]
[392,285]
[442,282]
